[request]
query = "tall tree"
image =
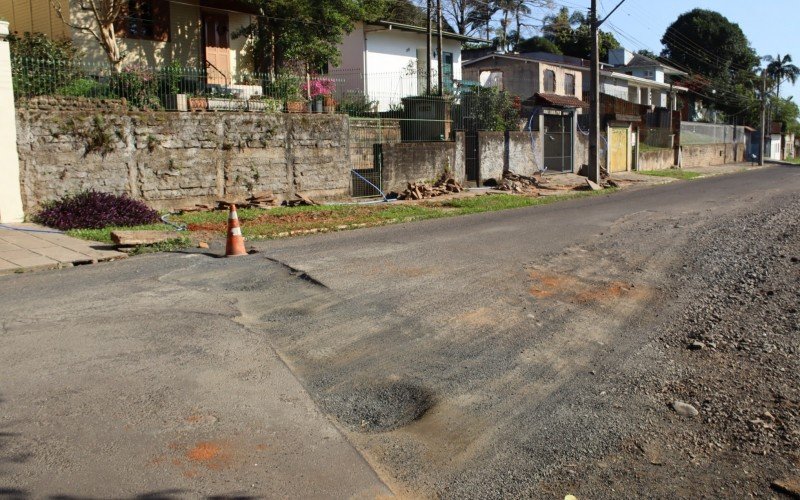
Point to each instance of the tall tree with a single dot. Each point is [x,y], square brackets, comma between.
[480,17]
[781,68]
[105,14]
[709,44]
[571,33]
[718,54]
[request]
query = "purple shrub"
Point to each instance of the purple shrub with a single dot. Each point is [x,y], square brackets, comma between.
[95,210]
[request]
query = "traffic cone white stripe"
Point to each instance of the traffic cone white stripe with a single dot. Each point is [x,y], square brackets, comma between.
[236,231]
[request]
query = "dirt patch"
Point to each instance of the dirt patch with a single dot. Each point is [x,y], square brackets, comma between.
[378,407]
[212,455]
[575,290]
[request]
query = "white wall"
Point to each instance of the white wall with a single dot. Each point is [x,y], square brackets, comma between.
[10,197]
[392,67]
[614,87]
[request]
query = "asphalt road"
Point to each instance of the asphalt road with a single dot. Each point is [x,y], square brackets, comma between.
[458,357]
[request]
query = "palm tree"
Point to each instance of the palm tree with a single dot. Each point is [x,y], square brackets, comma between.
[781,68]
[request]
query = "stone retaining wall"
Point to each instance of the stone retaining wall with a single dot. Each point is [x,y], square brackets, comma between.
[177,159]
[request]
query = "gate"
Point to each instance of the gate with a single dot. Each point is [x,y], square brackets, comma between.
[618,149]
[471,157]
[557,139]
[366,156]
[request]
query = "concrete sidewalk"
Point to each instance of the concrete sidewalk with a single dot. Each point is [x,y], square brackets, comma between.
[29,246]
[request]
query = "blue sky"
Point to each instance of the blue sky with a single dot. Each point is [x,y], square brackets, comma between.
[772,26]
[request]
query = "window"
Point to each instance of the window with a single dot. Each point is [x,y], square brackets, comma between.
[145,20]
[492,78]
[569,84]
[549,80]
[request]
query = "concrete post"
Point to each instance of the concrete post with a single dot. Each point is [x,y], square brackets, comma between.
[10,197]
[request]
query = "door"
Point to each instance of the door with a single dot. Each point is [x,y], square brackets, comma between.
[618,149]
[557,139]
[217,48]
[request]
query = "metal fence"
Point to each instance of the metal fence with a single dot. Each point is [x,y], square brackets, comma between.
[710,133]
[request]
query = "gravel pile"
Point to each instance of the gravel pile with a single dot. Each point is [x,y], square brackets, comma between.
[741,328]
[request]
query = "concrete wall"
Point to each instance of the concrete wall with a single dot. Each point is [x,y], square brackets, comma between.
[661,159]
[711,154]
[499,152]
[406,162]
[524,78]
[177,159]
[491,155]
[10,201]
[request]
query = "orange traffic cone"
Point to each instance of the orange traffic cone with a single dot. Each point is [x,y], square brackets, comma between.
[235,243]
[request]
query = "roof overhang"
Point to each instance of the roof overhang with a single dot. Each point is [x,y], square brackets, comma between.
[517,57]
[643,81]
[556,101]
[390,25]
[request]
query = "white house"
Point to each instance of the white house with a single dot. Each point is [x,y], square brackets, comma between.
[640,79]
[388,61]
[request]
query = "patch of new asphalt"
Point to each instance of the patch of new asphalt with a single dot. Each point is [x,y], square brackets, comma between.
[464,357]
[119,381]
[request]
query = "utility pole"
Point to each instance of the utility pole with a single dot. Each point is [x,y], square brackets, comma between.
[763,118]
[439,46]
[594,92]
[430,55]
[594,99]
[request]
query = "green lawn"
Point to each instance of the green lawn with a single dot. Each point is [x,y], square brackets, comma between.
[796,161]
[289,221]
[674,173]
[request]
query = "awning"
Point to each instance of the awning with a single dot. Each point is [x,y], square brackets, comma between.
[556,101]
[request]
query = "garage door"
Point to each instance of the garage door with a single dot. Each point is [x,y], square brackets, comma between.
[618,149]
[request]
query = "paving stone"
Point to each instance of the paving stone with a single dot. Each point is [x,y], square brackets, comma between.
[7,266]
[26,258]
[64,255]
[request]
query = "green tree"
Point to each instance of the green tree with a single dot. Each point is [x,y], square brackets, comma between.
[781,68]
[719,57]
[787,112]
[304,31]
[571,33]
[537,44]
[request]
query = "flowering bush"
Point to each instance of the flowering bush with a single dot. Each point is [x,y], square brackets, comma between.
[95,210]
[138,84]
[320,87]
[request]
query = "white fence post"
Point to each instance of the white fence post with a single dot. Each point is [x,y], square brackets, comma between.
[10,197]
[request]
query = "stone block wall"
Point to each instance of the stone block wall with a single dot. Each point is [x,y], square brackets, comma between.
[177,159]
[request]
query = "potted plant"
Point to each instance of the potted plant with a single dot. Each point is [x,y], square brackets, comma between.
[264,103]
[321,92]
[197,102]
[287,87]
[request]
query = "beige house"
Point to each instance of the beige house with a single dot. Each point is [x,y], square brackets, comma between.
[192,33]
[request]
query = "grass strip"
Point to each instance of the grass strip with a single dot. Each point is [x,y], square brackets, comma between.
[289,221]
[675,173]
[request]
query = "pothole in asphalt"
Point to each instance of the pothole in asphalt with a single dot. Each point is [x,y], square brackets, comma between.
[378,407]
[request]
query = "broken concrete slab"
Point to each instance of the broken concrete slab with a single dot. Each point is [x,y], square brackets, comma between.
[593,185]
[133,238]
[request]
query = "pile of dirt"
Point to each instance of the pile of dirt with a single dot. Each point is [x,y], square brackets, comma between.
[421,190]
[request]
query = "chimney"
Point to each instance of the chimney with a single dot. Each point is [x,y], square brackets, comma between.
[619,57]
